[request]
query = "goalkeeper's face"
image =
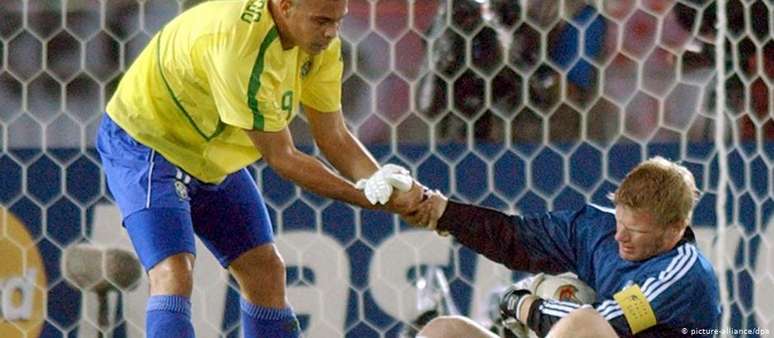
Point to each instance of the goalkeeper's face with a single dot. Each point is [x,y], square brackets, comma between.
[640,237]
[313,24]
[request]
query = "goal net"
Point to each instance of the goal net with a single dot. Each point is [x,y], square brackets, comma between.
[525,106]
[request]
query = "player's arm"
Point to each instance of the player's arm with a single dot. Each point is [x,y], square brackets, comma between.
[340,147]
[566,319]
[489,232]
[534,244]
[280,154]
[308,172]
[350,157]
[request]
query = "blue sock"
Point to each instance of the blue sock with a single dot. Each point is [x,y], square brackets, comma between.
[169,316]
[263,322]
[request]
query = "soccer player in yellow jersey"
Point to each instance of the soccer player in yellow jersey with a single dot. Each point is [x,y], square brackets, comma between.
[214,91]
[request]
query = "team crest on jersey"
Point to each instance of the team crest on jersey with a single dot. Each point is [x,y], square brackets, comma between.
[306,68]
[181,189]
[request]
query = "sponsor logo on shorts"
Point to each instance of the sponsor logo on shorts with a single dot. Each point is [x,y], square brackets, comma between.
[181,189]
[181,184]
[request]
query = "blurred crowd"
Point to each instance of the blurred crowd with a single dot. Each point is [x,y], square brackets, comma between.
[560,71]
[487,71]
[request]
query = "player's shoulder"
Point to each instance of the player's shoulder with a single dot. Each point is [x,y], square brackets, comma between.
[332,54]
[687,254]
[334,50]
[246,18]
[682,281]
[586,211]
[684,267]
[589,220]
[702,273]
[602,211]
[224,11]
[595,217]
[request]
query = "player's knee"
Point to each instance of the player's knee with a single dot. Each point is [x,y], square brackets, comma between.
[439,327]
[172,276]
[581,323]
[275,263]
[261,276]
[452,326]
[263,260]
[260,269]
[273,266]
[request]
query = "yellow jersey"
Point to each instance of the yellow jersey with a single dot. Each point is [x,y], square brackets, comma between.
[212,72]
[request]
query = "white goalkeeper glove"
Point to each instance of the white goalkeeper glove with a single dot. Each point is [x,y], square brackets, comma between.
[378,188]
[564,287]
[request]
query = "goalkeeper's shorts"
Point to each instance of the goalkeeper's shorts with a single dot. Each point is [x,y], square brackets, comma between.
[162,206]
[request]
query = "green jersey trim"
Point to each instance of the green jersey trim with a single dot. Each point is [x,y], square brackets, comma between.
[255,79]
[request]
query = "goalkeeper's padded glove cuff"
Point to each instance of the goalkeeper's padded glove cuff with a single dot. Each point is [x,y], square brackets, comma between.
[511,303]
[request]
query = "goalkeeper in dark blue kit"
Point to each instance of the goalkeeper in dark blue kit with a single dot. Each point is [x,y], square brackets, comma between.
[641,259]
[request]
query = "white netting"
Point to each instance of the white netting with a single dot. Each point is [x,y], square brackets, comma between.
[520,105]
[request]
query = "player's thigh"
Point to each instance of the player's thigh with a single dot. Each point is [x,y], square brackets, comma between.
[145,186]
[583,323]
[454,326]
[159,233]
[231,218]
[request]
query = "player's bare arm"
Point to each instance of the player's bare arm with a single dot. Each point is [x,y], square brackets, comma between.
[280,154]
[340,147]
[308,172]
[348,155]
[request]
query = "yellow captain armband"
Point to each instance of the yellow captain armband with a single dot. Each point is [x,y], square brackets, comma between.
[636,308]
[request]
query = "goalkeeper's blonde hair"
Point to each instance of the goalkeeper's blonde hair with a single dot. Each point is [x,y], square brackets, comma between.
[662,188]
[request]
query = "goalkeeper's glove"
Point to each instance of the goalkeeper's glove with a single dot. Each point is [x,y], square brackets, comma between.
[511,301]
[378,188]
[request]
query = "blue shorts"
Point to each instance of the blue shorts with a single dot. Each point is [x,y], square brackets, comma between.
[162,206]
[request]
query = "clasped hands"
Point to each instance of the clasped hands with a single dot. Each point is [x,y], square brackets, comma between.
[393,187]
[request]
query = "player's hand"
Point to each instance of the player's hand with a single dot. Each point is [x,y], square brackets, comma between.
[509,308]
[511,300]
[427,214]
[379,187]
[403,202]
